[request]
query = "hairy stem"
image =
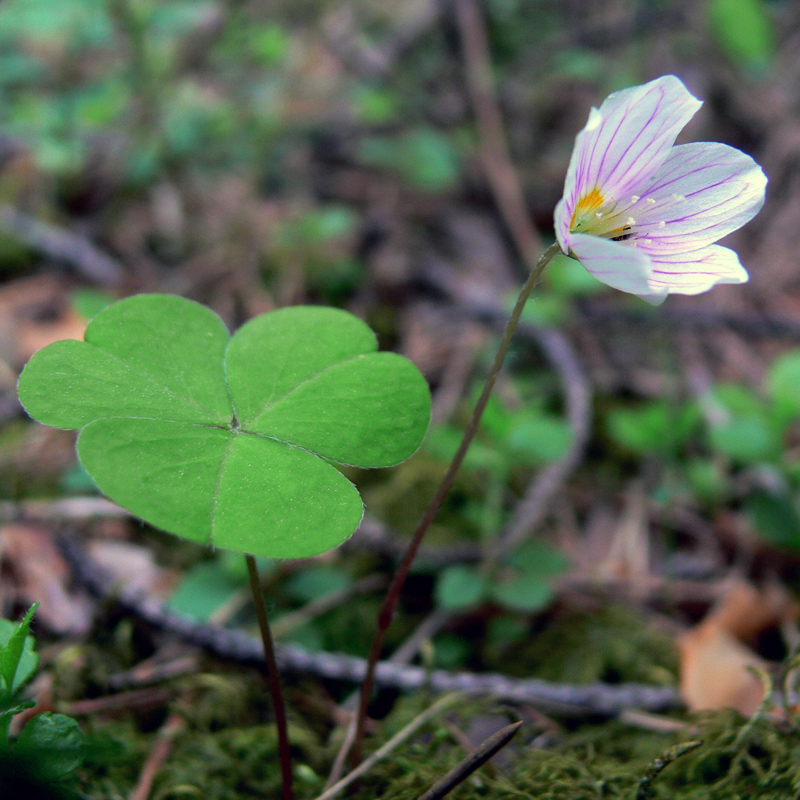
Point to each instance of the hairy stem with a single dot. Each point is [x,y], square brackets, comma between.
[393,594]
[274,679]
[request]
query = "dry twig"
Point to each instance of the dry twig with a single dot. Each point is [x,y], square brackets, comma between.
[158,755]
[500,172]
[563,699]
[477,758]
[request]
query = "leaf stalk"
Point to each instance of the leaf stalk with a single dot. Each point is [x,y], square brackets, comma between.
[274,679]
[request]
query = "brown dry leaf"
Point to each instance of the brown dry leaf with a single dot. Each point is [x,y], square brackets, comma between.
[714,656]
[41,575]
[33,313]
[133,566]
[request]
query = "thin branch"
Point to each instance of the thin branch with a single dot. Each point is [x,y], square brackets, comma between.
[476,759]
[60,245]
[556,698]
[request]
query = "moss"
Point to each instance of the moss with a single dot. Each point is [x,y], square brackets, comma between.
[609,761]
[612,645]
[737,759]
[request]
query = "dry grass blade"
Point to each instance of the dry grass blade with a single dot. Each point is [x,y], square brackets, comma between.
[395,741]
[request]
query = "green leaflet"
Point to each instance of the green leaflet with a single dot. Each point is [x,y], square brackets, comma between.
[226,441]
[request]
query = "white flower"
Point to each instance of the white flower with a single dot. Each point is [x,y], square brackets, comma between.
[642,214]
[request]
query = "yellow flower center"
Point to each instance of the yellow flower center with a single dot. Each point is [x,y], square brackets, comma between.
[600,216]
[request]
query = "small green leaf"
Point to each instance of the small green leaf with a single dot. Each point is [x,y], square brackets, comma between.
[545,309]
[443,441]
[775,518]
[18,661]
[743,30]
[538,559]
[569,277]
[744,439]
[706,480]
[783,384]
[461,587]
[268,43]
[539,439]
[55,742]
[657,427]
[527,585]
[425,158]
[226,441]
[522,592]
[204,589]
[315,582]
[375,105]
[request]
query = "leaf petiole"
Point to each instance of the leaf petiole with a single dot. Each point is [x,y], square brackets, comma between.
[273,676]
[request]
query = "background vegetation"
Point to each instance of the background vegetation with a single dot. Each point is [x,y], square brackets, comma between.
[251,155]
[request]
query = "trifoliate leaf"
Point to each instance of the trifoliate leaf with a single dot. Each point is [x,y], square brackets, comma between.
[226,441]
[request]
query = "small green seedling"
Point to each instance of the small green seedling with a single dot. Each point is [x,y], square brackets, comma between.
[18,662]
[50,746]
[228,441]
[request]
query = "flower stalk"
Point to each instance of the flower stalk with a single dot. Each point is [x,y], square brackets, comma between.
[387,611]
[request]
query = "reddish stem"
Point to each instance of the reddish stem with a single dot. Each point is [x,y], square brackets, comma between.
[389,606]
[274,678]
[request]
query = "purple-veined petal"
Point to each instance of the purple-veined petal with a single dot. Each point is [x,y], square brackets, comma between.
[627,139]
[702,192]
[616,264]
[695,272]
[562,225]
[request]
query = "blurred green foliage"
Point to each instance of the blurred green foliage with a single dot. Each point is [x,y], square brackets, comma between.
[733,445]
[744,30]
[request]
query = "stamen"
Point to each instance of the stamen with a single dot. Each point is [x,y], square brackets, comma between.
[587,207]
[634,198]
[678,198]
[662,224]
[650,201]
[630,221]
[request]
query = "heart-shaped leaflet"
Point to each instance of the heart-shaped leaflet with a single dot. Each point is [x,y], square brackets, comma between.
[226,441]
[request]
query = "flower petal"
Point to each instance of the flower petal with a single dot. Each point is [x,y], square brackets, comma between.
[695,272]
[561,225]
[702,192]
[616,264]
[627,139]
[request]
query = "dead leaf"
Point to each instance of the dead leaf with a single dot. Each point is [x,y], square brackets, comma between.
[41,575]
[715,657]
[134,567]
[35,312]
[714,671]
